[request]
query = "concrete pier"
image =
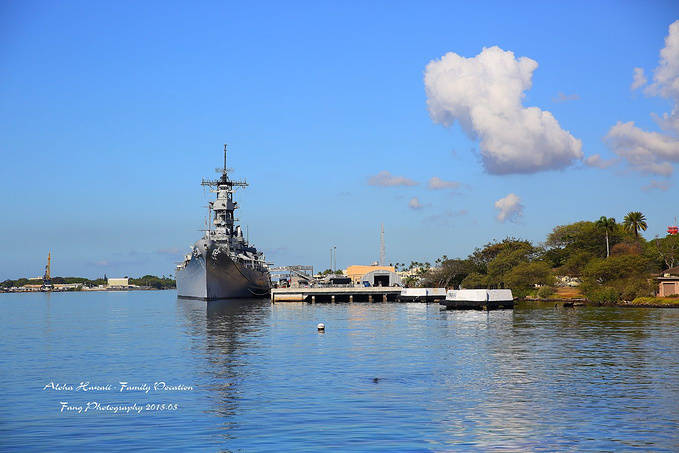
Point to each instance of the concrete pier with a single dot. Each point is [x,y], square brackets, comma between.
[336,294]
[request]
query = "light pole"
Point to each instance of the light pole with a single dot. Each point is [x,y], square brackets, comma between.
[334,265]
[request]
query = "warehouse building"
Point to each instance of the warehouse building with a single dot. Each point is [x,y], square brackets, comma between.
[374,275]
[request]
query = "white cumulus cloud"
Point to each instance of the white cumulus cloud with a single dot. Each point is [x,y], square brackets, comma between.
[654,152]
[509,208]
[386,179]
[436,183]
[484,94]
[639,79]
[647,152]
[666,75]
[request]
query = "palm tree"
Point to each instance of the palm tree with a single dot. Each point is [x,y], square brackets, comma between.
[607,223]
[635,221]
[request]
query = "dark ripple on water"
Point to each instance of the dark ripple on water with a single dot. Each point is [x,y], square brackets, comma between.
[382,376]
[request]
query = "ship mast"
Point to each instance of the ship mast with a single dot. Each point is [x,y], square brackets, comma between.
[224,207]
[224,179]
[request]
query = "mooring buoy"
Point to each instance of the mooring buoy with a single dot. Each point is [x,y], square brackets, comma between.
[321,327]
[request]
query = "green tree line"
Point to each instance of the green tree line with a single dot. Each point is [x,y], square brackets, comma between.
[613,261]
[150,281]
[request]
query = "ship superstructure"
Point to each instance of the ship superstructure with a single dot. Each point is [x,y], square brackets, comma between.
[222,264]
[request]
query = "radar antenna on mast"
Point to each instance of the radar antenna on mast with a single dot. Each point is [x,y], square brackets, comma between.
[224,179]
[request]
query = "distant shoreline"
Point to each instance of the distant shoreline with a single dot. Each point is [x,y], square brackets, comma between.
[91,290]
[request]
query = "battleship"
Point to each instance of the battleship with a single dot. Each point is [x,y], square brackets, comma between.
[222,264]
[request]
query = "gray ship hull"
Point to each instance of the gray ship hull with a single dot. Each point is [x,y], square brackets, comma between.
[210,277]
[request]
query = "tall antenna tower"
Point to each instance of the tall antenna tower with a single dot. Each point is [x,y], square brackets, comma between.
[47,278]
[382,254]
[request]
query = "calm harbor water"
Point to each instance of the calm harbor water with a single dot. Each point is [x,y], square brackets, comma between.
[386,377]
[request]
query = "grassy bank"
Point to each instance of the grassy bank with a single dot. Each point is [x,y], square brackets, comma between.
[653,302]
[575,295]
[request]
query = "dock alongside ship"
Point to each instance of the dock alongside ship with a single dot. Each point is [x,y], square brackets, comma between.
[336,294]
[356,294]
[466,299]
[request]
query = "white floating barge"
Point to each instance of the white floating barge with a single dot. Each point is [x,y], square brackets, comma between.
[479,299]
[422,294]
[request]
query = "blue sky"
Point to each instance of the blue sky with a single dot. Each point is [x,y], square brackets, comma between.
[110,114]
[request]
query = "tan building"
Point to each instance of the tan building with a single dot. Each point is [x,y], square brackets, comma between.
[668,282]
[357,271]
[118,282]
[375,275]
[32,286]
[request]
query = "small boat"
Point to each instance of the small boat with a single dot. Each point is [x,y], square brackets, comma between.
[478,299]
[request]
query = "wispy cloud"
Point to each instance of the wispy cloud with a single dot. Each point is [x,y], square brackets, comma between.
[657,185]
[446,217]
[639,79]
[436,183]
[386,179]
[645,151]
[562,97]
[414,203]
[595,160]
[509,208]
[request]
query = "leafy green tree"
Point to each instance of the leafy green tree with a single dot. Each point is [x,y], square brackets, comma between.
[512,263]
[475,280]
[635,221]
[584,236]
[615,268]
[331,272]
[607,224]
[523,278]
[545,292]
[618,277]
[627,248]
[481,257]
[575,263]
[448,273]
[506,260]
[152,281]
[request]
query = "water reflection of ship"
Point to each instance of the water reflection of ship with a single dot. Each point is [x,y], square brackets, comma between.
[224,333]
